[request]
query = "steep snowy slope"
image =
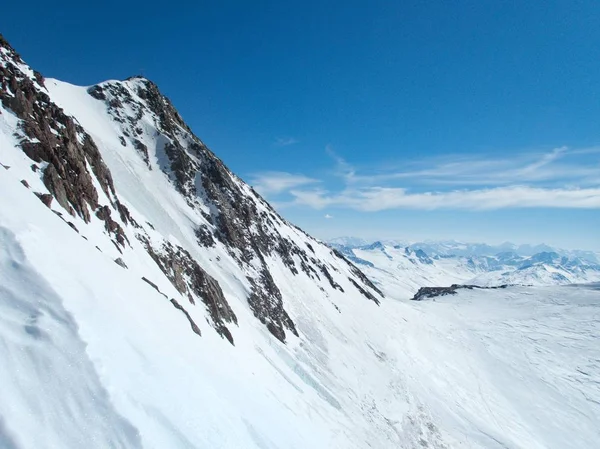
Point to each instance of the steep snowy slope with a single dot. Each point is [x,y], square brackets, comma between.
[134,168]
[511,368]
[122,238]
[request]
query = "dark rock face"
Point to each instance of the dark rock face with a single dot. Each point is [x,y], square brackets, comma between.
[266,303]
[192,281]
[330,278]
[121,262]
[50,136]
[237,216]
[53,138]
[360,275]
[153,285]
[432,292]
[193,325]
[45,198]
[364,292]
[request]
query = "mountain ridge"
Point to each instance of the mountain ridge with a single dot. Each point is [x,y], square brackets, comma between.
[225,211]
[458,248]
[131,257]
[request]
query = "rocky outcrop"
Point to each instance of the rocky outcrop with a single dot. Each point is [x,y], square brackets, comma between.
[50,136]
[193,282]
[432,292]
[193,325]
[360,275]
[236,216]
[224,211]
[266,303]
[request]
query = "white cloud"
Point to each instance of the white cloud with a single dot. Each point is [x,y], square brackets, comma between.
[328,217]
[386,198]
[342,167]
[561,178]
[557,167]
[274,182]
[285,141]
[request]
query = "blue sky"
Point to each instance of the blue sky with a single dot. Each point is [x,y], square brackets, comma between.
[475,120]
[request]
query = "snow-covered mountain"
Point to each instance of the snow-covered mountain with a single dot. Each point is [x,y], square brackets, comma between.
[455,248]
[150,298]
[118,158]
[464,249]
[407,268]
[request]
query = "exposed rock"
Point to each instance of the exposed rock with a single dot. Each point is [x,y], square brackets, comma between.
[120,262]
[364,292]
[193,325]
[330,279]
[205,237]
[360,275]
[151,284]
[97,93]
[45,198]
[53,137]
[73,227]
[111,226]
[56,186]
[190,279]
[143,150]
[237,217]
[267,305]
[25,183]
[432,292]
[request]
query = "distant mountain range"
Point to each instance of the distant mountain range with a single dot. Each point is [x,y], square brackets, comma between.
[151,299]
[405,267]
[457,248]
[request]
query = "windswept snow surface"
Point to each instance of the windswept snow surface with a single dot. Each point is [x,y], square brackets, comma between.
[90,352]
[92,356]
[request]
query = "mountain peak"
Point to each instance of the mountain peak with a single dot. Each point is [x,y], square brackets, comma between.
[170,194]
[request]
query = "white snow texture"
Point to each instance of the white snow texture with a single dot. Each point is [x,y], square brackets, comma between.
[92,356]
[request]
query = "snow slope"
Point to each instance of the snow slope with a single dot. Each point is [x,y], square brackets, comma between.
[505,368]
[95,356]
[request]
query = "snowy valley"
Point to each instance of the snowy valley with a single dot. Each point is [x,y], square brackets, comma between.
[405,267]
[150,298]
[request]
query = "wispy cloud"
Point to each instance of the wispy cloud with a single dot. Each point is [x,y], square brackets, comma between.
[560,178]
[559,166]
[385,198]
[328,217]
[285,141]
[274,182]
[342,167]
